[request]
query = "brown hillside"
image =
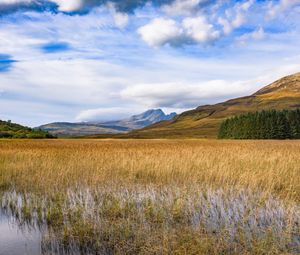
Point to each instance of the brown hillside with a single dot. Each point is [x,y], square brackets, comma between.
[204,121]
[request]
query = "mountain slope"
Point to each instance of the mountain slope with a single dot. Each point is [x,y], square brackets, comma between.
[112,127]
[204,121]
[13,130]
[64,129]
[142,120]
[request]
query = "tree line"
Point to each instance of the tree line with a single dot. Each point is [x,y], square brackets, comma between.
[272,124]
[13,130]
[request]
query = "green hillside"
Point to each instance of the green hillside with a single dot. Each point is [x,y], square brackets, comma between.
[13,130]
[204,121]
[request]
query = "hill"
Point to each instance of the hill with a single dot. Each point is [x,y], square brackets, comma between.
[204,121]
[111,127]
[13,130]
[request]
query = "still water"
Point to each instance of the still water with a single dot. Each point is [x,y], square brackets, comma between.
[18,241]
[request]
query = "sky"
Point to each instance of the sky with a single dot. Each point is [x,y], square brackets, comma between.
[98,60]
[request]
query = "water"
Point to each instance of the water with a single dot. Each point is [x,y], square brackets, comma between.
[18,241]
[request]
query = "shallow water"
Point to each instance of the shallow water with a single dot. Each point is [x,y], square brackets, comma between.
[18,241]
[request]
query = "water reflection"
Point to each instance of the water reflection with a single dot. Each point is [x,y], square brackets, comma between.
[29,239]
[18,241]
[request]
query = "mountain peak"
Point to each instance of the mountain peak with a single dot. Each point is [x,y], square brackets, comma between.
[151,112]
[151,116]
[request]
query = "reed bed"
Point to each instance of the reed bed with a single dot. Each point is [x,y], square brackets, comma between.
[156,196]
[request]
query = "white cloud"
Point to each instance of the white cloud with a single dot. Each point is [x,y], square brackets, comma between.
[188,95]
[227,26]
[11,2]
[183,95]
[105,68]
[258,34]
[121,19]
[281,7]
[235,17]
[69,5]
[63,5]
[161,31]
[105,114]
[182,7]
[200,30]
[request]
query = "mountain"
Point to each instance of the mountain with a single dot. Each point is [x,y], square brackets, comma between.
[110,127]
[65,129]
[204,121]
[13,130]
[142,120]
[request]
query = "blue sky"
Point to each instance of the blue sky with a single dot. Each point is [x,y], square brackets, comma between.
[81,60]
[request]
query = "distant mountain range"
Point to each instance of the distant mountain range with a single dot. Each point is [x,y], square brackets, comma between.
[139,121]
[204,121]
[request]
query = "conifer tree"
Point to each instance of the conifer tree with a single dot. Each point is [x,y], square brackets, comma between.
[262,125]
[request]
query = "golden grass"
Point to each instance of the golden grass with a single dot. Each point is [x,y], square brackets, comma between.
[158,196]
[277,95]
[271,166]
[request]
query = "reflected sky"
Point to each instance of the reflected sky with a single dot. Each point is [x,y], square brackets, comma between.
[14,241]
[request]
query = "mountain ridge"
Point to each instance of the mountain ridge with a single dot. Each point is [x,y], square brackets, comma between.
[137,121]
[204,121]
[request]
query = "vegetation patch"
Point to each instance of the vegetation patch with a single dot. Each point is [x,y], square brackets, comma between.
[13,130]
[155,196]
[263,125]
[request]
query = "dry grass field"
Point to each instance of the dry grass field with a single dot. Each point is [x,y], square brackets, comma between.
[156,196]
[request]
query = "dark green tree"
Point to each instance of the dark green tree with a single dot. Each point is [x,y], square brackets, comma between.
[262,125]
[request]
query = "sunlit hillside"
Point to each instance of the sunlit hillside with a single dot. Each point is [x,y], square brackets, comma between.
[204,121]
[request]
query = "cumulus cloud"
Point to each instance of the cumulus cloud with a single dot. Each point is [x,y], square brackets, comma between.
[184,7]
[235,16]
[161,31]
[200,30]
[41,5]
[99,67]
[74,5]
[121,19]
[69,5]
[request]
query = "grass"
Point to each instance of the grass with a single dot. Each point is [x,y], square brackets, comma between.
[156,196]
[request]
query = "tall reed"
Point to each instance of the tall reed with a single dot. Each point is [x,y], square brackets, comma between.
[157,196]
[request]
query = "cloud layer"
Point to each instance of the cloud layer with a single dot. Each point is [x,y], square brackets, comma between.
[86,60]
[74,6]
